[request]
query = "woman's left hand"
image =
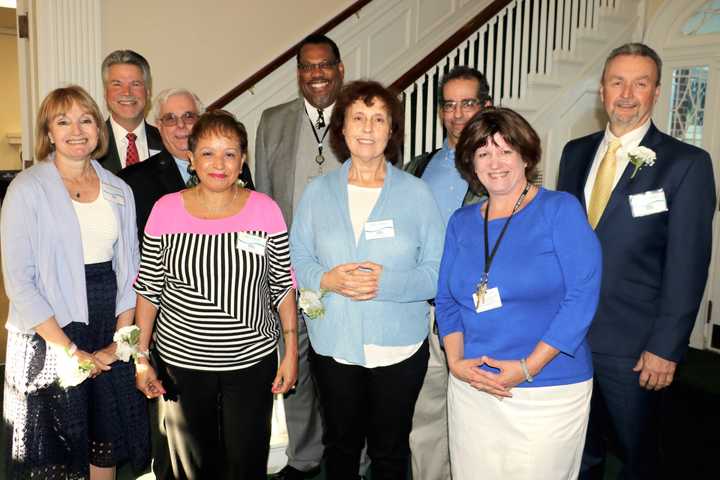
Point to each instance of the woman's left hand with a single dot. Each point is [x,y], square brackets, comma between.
[106,355]
[511,373]
[286,375]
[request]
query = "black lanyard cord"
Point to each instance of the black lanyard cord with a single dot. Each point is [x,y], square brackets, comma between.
[319,159]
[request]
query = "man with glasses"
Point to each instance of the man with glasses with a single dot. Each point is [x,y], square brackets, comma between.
[127,81]
[176,111]
[292,148]
[464,91]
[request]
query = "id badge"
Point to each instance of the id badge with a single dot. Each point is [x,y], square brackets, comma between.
[113,194]
[379,229]
[490,301]
[251,243]
[648,203]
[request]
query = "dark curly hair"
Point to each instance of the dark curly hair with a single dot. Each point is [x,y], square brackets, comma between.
[221,123]
[368,91]
[512,127]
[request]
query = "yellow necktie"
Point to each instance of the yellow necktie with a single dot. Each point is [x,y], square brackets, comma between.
[603,184]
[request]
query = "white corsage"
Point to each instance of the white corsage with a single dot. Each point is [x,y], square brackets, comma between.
[127,340]
[72,372]
[641,156]
[311,302]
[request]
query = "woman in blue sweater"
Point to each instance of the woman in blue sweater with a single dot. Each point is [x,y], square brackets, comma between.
[367,238]
[519,284]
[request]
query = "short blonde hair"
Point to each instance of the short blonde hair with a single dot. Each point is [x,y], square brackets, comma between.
[58,102]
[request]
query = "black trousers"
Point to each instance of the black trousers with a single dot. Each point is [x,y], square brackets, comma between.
[624,412]
[369,404]
[218,425]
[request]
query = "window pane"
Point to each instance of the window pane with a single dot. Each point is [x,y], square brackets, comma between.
[687,102]
[705,20]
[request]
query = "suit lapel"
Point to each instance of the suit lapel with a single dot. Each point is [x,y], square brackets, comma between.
[112,161]
[622,188]
[584,162]
[168,173]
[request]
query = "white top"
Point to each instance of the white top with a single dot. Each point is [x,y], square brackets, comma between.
[99,229]
[628,141]
[361,201]
[121,141]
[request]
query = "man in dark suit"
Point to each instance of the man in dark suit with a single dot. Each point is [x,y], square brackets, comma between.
[291,149]
[654,222]
[176,111]
[127,81]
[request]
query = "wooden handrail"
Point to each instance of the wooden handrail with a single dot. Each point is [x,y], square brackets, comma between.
[449,45]
[287,55]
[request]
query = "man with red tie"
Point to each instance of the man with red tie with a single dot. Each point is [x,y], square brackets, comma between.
[127,81]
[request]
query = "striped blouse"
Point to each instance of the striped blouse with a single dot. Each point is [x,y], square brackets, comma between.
[216,282]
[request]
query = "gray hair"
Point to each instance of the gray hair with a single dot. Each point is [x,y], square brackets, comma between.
[127,57]
[639,49]
[163,96]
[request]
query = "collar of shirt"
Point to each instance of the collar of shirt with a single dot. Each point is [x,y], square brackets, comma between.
[628,141]
[446,184]
[121,141]
[313,113]
[182,165]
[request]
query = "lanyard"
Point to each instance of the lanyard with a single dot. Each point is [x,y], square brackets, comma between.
[489,256]
[319,159]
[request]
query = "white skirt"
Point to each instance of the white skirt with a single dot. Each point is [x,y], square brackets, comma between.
[538,433]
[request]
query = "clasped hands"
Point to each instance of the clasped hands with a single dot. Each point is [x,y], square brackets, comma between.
[498,384]
[357,281]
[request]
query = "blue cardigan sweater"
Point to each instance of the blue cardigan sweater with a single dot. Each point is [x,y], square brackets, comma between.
[322,237]
[547,270]
[42,254]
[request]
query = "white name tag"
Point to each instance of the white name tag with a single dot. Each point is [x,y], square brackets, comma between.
[113,194]
[491,301]
[648,203]
[251,243]
[379,229]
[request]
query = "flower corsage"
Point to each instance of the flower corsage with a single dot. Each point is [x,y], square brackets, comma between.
[127,341]
[311,302]
[641,156]
[72,372]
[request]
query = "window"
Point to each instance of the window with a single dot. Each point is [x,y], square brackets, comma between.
[687,103]
[705,20]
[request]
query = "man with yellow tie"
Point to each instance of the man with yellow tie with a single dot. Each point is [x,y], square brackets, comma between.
[650,199]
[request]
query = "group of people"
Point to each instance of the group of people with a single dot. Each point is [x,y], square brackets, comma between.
[442,313]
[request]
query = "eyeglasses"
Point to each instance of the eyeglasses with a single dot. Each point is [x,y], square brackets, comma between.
[171,120]
[466,105]
[325,66]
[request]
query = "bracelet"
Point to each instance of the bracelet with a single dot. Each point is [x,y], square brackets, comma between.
[523,365]
[289,330]
[143,353]
[71,349]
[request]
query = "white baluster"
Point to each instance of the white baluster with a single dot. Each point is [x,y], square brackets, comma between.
[572,25]
[436,118]
[419,116]
[481,50]
[471,50]
[497,77]
[510,52]
[543,44]
[490,73]
[551,44]
[428,112]
[409,130]
[526,47]
[535,40]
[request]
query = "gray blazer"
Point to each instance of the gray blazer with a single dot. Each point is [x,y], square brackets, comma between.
[275,145]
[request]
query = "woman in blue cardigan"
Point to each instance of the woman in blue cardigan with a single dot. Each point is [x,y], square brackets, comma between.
[367,239]
[70,255]
[519,284]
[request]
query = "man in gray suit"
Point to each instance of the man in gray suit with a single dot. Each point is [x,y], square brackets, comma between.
[292,148]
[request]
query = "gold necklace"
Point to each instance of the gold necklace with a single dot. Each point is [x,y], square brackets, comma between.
[216,209]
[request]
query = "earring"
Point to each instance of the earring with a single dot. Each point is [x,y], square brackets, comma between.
[240,183]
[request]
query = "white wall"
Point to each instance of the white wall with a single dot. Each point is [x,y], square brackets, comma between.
[211,46]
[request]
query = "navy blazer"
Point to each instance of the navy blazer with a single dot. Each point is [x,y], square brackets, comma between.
[111,161]
[654,267]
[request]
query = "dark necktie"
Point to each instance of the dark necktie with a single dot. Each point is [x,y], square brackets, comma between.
[132,157]
[321,120]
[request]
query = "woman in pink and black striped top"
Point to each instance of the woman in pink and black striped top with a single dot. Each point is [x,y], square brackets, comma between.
[215,269]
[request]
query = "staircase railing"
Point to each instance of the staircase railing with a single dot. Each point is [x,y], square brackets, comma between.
[516,45]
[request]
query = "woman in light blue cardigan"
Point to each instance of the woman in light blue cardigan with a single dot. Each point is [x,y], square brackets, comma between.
[69,257]
[367,238]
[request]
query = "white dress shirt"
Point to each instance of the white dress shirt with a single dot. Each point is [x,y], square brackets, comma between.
[628,141]
[121,141]
[313,112]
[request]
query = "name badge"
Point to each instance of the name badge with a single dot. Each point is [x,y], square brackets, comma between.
[379,229]
[490,301]
[648,203]
[113,194]
[251,243]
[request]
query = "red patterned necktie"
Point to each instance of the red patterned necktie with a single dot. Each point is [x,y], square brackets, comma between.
[132,152]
